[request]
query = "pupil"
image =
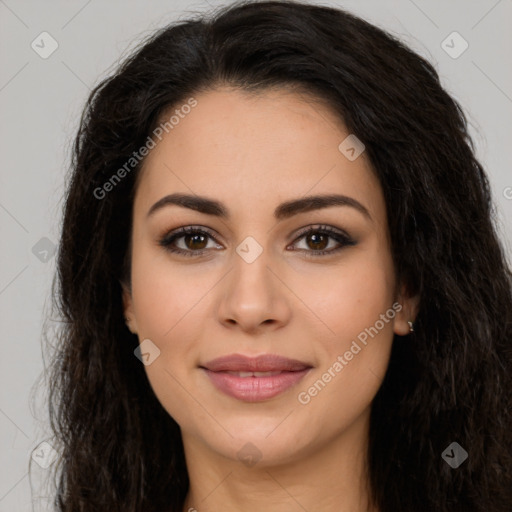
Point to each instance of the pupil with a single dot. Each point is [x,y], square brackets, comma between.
[315,238]
[192,239]
[317,241]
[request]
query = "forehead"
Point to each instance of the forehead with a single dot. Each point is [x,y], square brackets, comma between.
[269,146]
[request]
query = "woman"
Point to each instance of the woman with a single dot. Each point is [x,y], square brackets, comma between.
[280,279]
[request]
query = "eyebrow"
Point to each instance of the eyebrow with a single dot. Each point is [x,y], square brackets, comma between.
[283,211]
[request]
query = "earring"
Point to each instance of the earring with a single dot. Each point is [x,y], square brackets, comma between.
[411,326]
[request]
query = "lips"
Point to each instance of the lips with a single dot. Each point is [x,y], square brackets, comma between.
[263,363]
[254,374]
[254,379]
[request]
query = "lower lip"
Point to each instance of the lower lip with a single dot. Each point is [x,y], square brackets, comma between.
[254,389]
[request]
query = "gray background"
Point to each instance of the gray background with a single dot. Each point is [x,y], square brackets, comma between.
[40,103]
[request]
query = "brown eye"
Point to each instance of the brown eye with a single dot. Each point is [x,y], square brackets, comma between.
[188,241]
[192,241]
[197,241]
[317,241]
[323,240]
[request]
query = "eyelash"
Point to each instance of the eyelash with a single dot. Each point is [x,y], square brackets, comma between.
[340,237]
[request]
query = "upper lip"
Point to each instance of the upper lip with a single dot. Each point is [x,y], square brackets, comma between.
[263,363]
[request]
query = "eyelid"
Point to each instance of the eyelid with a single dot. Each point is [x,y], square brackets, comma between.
[321,228]
[178,233]
[342,238]
[335,233]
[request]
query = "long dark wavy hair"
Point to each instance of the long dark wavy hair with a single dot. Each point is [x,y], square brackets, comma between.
[450,381]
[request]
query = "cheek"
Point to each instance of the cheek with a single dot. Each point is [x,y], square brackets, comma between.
[166,296]
[355,302]
[352,368]
[168,308]
[350,297]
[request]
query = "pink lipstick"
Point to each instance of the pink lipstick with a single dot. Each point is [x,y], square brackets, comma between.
[254,379]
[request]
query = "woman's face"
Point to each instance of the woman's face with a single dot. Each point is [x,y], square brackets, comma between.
[250,281]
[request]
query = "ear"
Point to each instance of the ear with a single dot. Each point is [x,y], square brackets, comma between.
[129,313]
[408,313]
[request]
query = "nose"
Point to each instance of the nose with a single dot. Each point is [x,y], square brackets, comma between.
[254,297]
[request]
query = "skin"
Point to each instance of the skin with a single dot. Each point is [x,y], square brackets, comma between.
[252,153]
